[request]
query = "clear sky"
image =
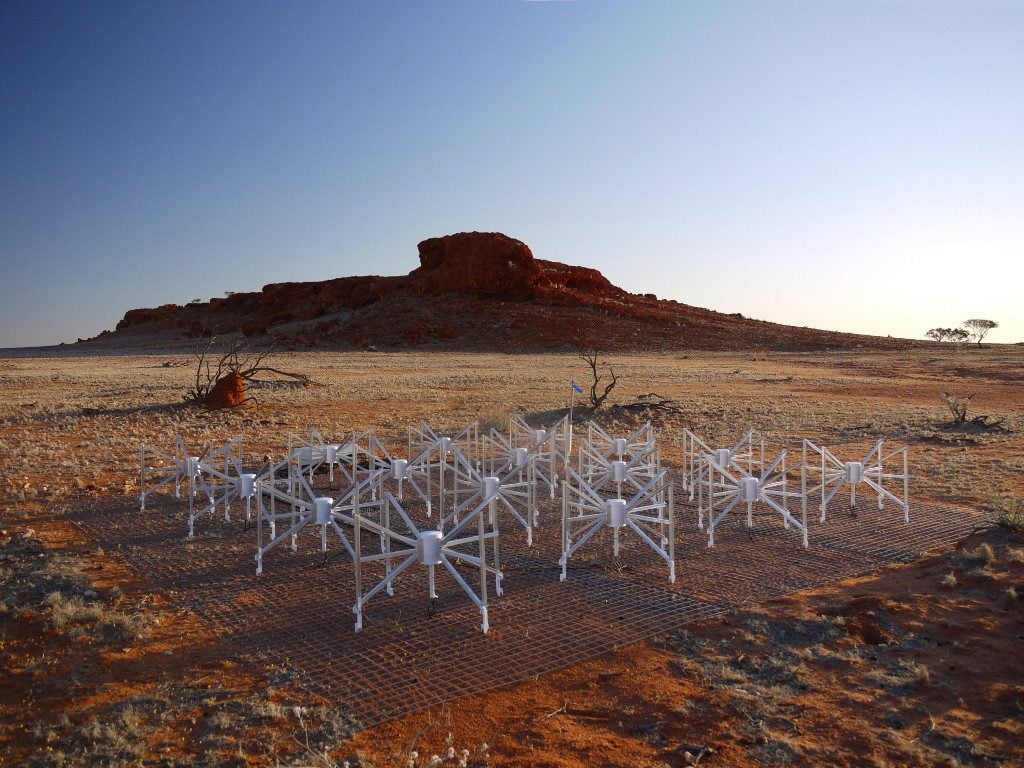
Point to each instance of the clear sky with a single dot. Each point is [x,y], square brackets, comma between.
[854,166]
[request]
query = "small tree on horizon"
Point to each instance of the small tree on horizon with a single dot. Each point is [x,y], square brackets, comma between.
[979,327]
[956,335]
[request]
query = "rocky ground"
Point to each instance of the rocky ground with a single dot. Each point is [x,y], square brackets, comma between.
[918,665]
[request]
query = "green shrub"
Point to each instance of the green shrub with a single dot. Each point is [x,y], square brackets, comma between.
[1009,512]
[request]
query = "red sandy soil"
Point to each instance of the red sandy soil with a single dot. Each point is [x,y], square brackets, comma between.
[472,291]
[903,670]
[65,695]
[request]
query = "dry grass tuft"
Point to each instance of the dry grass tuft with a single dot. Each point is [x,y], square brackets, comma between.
[268,710]
[1009,512]
[77,617]
[984,554]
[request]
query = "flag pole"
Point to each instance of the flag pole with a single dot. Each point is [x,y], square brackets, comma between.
[572,402]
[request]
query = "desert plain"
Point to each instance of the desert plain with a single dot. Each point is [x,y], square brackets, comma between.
[920,664]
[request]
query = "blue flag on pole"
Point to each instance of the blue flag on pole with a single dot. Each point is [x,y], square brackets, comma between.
[577,388]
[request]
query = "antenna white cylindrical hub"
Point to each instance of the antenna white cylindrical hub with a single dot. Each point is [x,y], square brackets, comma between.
[616,513]
[428,547]
[247,485]
[539,436]
[749,489]
[620,445]
[331,453]
[322,509]
[446,446]
[399,468]
[193,465]
[492,486]
[305,457]
[722,457]
[520,458]
[854,472]
[618,471]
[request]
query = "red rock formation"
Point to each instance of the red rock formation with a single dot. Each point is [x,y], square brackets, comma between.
[581,279]
[485,263]
[135,317]
[227,392]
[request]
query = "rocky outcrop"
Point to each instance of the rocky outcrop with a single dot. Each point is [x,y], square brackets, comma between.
[484,263]
[135,317]
[472,290]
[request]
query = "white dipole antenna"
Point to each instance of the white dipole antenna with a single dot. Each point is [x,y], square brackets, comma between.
[174,467]
[408,544]
[223,480]
[740,455]
[308,508]
[836,473]
[731,484]
[648,514]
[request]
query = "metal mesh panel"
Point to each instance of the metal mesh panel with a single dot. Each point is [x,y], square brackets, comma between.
[299,611]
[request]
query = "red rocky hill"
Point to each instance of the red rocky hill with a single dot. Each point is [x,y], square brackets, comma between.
[474,291]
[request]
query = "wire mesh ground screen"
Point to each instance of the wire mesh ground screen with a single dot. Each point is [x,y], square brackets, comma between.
[415,652]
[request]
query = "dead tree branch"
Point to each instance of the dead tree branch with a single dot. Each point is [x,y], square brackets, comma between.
[651,404]
[958,406]
[239,359]
[595,400]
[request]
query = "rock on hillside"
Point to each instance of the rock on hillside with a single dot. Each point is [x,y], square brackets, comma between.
[483,263]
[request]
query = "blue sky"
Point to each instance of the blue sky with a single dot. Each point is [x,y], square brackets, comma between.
[855,166]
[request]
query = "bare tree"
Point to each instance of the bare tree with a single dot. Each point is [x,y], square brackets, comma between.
[979,327]
[239,360]
[590,357]
[958,406]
